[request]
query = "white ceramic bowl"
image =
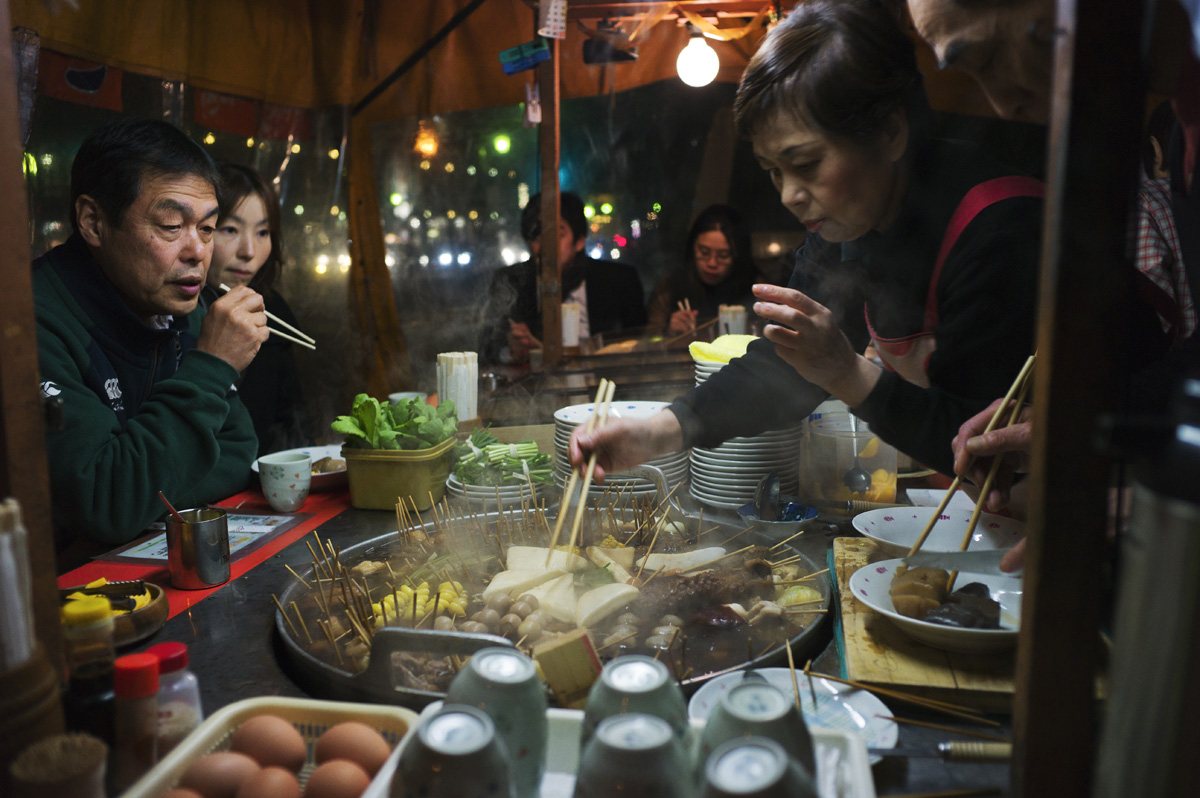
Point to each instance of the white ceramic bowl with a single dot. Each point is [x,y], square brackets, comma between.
[895,529]
[870,585]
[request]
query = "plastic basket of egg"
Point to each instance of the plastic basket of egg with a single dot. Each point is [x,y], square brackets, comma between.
[279,748]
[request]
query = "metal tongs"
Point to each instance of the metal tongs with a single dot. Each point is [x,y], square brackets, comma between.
[124,589]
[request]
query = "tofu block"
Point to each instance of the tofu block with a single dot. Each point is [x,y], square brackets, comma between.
[517,581]
[534,557]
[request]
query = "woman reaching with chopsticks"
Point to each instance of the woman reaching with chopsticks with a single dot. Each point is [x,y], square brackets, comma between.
[922,246]
[248,250]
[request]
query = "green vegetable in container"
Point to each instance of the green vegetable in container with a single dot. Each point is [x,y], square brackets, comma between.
[408,425]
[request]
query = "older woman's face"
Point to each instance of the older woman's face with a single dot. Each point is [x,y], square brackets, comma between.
[1006,47]
[242,244]
[835,188]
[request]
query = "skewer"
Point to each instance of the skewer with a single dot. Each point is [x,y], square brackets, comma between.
[996,738]
[618,640]
[800,579]
[716,559]
[787,539]
[298,576]
[811,688]
[332,642]
[958,479]
[300,618]
[308,340]
[787,644]
[646,558]
[738,535]
[581,507]
[656,573]
[569,490]
[285,615]
[987,486]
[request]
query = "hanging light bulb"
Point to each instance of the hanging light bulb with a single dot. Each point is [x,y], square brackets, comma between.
[697,63]
[425,143]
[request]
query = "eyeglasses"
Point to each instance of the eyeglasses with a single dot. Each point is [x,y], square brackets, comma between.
[719,255]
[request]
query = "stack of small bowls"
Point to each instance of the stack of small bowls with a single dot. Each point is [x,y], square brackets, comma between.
[674,465]
[489,496]
[727,475]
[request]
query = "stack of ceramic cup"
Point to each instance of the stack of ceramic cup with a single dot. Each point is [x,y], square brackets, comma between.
[674,465]
[727,475]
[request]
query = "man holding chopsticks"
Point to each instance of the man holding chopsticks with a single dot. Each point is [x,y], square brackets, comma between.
[143,379]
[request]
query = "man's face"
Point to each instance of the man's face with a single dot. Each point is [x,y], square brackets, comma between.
[1006,47]
[159,255]
[567,245]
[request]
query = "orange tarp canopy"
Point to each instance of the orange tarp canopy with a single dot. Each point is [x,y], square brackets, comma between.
[320,53]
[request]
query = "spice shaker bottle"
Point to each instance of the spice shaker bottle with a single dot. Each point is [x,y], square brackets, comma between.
[135,715]
[179,708]
[87,627]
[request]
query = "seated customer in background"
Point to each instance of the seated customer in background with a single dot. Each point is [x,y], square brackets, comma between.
[248,250]
[610,294]
[143,379]
[717,270]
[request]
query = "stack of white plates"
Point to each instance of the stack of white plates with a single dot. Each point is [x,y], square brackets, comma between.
[674,466]
[509,495]
[727,475]
[704,370]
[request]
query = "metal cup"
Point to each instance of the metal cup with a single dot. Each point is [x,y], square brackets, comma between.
[454,753]
[198,548]
[754,767]
[504,683]
[756,707]
[633,756]
[635,683]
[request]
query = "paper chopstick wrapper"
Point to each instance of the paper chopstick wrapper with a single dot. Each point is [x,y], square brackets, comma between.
[16,622]
[458,381]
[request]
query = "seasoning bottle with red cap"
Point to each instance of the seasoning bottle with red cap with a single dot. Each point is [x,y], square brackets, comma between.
[135,681]
[179,708]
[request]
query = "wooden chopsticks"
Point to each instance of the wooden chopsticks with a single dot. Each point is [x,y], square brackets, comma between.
[599,416]
[307,341]
[1017,385]
[987,484]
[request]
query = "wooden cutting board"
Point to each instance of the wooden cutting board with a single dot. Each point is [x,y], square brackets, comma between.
[878,653]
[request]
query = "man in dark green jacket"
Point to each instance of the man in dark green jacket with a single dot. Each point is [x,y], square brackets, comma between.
[144,379]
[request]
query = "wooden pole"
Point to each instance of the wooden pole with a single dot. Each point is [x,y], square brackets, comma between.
[548,141]
[1082,349]
[24,473]
[374,300]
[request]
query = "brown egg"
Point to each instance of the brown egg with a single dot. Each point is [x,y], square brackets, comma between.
[181,792]
[271,740]
[219,775]
[271,782]
[356,742]
[337,778]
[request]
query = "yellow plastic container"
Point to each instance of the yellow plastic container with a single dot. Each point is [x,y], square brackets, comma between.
[379,477]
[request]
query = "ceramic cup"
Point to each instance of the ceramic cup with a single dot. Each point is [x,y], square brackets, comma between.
[285,478]
[404,396]
[504,683]
[635,683]
[454,753]
[754,767]
[756,707]
[633,756]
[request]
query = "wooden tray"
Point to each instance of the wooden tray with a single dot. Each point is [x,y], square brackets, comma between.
[876,652]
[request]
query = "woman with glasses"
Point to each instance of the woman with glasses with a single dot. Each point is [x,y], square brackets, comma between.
[717,270]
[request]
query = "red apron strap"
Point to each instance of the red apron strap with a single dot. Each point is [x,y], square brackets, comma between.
[974,201]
